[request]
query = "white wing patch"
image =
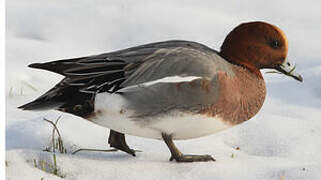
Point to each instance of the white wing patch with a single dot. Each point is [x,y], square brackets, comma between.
[170,79]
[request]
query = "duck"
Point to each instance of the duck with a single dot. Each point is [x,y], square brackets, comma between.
[170,90]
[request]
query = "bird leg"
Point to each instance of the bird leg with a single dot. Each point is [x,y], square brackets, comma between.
[117,140]
[180,157]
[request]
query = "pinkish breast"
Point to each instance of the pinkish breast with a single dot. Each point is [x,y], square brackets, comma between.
[240,96]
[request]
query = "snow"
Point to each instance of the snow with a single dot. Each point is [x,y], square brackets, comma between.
[281,142]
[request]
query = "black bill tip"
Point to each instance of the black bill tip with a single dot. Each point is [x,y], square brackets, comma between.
[299,78]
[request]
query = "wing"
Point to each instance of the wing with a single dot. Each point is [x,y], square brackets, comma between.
[175,79]
[111,72]
[99,73]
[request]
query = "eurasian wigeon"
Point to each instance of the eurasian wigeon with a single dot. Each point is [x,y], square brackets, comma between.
[170,90]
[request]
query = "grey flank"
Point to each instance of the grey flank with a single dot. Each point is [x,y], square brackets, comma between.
[163,97]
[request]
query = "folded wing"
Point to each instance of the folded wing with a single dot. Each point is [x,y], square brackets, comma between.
[114,72]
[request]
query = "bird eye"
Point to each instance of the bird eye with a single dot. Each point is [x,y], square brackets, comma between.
[275,44]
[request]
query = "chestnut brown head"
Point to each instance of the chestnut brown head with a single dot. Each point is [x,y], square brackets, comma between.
[258,45]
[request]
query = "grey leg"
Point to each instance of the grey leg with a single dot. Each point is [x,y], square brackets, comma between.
[180,157]
[117,140]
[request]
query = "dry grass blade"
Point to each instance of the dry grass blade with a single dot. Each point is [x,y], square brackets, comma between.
[59,145]
[98,150]
[30,86]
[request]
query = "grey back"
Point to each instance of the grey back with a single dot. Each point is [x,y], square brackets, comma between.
[163,97]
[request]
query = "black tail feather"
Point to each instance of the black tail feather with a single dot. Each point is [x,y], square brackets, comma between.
[40,104]
[84,77]
[58,66]
[49,100]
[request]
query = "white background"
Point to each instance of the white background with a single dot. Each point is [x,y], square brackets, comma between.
[278,143]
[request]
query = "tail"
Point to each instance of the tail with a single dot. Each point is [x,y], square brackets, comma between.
[84,77]
[43,102]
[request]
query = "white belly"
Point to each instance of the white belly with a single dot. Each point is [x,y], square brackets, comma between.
[111,112]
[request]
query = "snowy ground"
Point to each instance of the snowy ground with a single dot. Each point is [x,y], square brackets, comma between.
[281,142]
